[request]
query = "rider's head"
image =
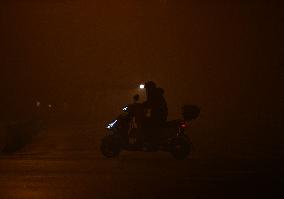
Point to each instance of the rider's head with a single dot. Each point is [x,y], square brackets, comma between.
[150,85]
[160,91]
[150,88]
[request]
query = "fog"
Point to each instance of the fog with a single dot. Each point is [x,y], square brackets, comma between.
[92,55]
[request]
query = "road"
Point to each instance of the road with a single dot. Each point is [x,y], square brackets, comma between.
[64,161]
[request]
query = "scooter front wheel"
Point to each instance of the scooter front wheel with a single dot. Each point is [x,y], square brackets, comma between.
[110,146]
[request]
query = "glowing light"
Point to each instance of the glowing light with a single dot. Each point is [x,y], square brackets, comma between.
[49,106]
[125,108]
[141,86]
[183,125]
[38,103]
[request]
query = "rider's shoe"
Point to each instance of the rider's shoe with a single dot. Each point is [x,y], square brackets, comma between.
[149,147]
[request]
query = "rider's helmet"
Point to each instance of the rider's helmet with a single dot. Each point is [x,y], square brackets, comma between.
[150,89]
[150,85]
[160,91]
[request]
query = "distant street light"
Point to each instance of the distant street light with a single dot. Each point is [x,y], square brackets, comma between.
[38,103]
[141,86]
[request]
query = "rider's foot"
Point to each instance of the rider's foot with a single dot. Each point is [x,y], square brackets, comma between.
[149,147]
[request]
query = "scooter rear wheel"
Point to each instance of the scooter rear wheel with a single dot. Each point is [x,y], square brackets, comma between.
[180,148]
[3,138]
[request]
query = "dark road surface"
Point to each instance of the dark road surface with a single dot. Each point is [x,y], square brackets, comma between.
[65,162]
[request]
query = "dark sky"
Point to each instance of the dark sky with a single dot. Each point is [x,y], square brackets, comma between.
[225,57]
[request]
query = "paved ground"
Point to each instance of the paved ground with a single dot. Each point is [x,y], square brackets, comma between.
[65,162]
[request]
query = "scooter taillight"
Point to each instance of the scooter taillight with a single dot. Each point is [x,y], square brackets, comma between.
[183,125]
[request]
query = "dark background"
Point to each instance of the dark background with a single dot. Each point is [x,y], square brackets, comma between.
[86,58]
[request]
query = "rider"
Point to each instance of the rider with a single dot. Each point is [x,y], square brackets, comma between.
[155,104]
[162,110]
[136,110]
[156,110]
